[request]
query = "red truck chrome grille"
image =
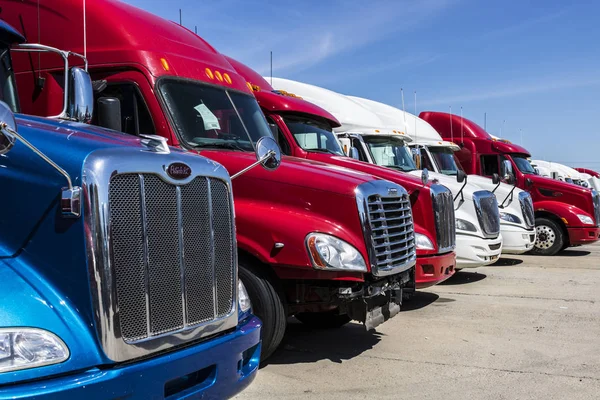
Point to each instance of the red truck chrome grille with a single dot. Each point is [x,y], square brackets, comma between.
[392,231]
[172,253]
[596,197]
[445,222]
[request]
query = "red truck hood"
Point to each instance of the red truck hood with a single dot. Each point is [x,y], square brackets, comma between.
[294,171]
[549,183]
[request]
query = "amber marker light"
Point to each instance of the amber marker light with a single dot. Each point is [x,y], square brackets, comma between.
[218,76]
[165,64]
[209,73]
[227,78]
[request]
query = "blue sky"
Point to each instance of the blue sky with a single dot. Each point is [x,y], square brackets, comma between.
[533,64]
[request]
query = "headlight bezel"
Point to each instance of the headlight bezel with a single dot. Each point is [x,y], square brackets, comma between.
[319,261]
[50,338]
[468,226]
[512,218]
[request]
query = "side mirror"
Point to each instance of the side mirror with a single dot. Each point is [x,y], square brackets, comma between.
[495,179]
[424,176]
[354,153]
[8,124]
[109,113]
[528,182]
[461,176]
[268,154]
[507,173]
[80,106]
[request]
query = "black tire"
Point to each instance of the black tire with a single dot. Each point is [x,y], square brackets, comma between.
[323,320]
[550,237]
[267,304]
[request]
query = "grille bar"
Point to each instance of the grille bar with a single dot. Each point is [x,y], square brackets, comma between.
[172,253]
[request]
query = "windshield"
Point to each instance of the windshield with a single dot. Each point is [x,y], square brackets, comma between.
[212,117]
[8,91]
[389,152]
[444,159]
[523,164]
[314,136]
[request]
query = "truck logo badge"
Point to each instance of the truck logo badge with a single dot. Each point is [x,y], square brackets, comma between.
[179,171]
[392,191]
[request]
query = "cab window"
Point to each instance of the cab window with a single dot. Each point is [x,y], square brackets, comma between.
[489,165]
[362,156]
[281,140]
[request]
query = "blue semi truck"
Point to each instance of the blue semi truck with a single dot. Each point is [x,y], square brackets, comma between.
[118,264]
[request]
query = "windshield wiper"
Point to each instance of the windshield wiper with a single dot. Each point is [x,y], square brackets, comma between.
[323,151]
[219,145]
[400,168]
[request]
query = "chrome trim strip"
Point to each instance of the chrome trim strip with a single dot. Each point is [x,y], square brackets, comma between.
[98,169]
[181,257]
[212,250]
[146,251]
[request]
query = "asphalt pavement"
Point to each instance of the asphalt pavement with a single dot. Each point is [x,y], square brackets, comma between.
[525,328]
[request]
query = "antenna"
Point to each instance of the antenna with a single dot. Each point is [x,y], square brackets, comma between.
[521,133]
[415,116]
[271,67]
[501,129]
[485,121]
[84,32]
[451,131]
[196,29]
[461,126]
[403,110]
[180,16]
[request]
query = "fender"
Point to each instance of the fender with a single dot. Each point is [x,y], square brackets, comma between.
[28,300]
[261,225]
[562,210]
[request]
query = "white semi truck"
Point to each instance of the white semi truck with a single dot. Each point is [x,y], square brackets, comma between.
[365,136]
[517,220]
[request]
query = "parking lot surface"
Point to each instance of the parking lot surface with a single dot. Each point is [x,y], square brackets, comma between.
[525,328]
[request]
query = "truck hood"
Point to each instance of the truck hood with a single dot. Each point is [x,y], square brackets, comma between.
[296,171]
[451,183]
[553,184]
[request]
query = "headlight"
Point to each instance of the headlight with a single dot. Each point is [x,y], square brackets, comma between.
[463,225]
[330,253]
[243,298]
[423,242]
[22,348]
[510,218]
[585,219]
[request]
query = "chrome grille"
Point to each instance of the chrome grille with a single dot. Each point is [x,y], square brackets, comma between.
[168,274]
[488,214]
[527,209]
[445,222]
[392,230]
[596,197]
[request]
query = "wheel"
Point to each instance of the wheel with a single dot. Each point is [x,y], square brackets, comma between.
[267,304]
[323,320]
[550,237]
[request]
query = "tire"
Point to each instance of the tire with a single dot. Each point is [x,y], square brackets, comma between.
[550,237]
[267,304]
[323,320]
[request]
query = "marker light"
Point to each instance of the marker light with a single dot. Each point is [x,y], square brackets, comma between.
[377,130]
[227,78]
[165,64]
[218,76]
[209,73]
[249,85]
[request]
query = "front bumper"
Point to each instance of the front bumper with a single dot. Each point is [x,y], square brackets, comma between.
[217,368]
[517,240]
[578,236]
[431,270]
[474,251]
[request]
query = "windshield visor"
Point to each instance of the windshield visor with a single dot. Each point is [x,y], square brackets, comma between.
[214,117]
[313,136]
[390,153]
[445,160]
[523,164]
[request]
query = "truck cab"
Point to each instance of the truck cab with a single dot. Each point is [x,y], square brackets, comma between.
[306,231]
[478,237]
[92,292]
[565,214]
[304,130]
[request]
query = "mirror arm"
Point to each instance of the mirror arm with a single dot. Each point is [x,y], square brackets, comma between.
[497,186]
[460,192]
[254,164]
[511,195]
[71,196]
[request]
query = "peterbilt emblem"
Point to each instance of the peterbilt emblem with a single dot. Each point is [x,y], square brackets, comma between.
[179,171]
[392,191]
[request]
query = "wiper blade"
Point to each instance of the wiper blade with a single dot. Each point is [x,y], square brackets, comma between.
[220,145]
[323,151]
[399,168]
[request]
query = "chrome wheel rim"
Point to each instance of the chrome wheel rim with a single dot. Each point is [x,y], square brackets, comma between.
[545,238]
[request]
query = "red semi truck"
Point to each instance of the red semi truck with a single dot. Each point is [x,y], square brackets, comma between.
[314,240]
[304,130]
[565,214]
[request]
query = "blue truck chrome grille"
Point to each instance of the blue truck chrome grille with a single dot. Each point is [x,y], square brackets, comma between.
[172,253]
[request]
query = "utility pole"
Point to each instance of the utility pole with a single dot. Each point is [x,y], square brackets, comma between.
[180,17]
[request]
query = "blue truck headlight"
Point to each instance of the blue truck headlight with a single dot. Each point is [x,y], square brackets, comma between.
[585,219]
[330,253]
[243,299]
[423,242]
[463,225]
[22,348]
[510,218]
